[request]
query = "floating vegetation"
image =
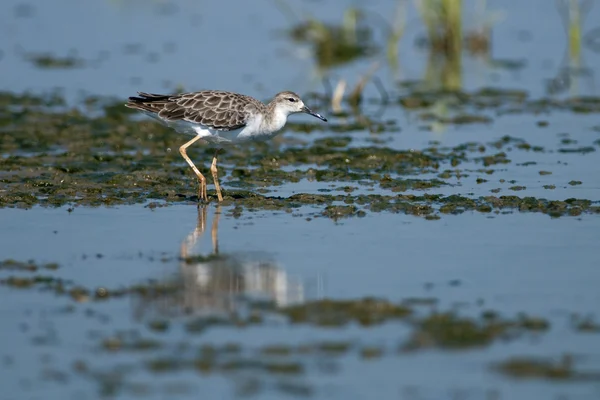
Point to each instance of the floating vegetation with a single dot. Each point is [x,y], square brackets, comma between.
[585,324]
[336,44]
[449,330]
[118,343]
[366,312]
[27,266]
[52,156]
[543,368]
[158,325]
[438,329]
[49,61]
[149,348]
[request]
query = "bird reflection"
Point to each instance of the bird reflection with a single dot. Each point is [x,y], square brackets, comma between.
[217,283]
[216,280]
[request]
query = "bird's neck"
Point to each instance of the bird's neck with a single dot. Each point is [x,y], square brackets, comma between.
[274,118]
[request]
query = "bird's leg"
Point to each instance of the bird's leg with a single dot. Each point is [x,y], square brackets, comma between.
[193,237]
[201,179]
[215,230]
[213,169]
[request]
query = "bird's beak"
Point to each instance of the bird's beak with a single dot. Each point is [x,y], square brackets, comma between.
[314,114]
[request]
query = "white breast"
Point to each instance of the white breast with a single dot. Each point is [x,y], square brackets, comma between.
[255,130]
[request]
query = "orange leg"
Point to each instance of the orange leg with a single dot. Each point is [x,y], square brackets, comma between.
[213,170]
[201,179]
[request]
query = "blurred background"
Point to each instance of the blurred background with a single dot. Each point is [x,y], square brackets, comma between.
[117,47]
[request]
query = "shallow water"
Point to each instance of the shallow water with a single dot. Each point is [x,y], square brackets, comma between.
[425,258]
[509,263]
[516,256]
[188,48]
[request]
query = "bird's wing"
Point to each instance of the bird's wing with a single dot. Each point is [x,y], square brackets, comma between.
[213,109]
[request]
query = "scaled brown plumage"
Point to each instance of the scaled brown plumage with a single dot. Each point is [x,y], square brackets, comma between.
[213,109]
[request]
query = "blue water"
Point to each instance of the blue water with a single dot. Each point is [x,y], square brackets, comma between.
[157,45]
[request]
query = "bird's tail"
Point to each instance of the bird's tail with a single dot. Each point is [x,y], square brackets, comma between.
[148,102]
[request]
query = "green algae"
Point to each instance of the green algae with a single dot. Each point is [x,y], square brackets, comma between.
[581,150]
[158,325]
[336,44]
[585,324]
[451,331]
[238,364]
[403,185]
[533,323]
[428,327]
[114,344]
[333,347]
[277,350]
[561,369]
[338,212]
[447,330]
[201,324]
[54,156]
[517,188]
[463,119]
[366,312]
[26,266]
[371,352]
[49,61]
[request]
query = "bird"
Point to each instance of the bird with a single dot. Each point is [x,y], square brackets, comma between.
[220,118]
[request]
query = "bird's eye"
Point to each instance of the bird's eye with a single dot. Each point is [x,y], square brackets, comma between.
[293,100]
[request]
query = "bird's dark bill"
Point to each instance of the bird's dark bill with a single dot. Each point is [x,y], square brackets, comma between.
[314,114]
